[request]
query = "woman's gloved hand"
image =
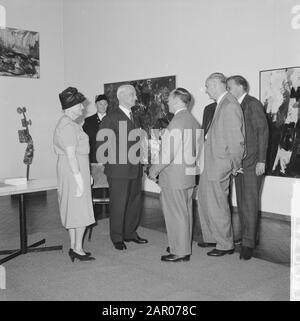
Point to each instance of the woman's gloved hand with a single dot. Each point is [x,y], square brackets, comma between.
[79,181]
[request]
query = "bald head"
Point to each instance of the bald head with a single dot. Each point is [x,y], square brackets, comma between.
[179,98]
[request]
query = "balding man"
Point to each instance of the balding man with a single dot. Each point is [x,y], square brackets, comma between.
[176,172]
[124,173]
[222,156]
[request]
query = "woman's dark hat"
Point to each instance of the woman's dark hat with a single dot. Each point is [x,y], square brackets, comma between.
[70,97]
[100,97]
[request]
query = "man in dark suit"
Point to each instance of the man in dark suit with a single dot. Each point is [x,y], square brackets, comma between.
[208,115]
[248,184]
[91,124]
[122,168]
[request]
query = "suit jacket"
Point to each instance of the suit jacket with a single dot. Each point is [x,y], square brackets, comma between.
[208,115]
[225,143]
[257,131]
[295,93]
[178,161]
[91,126]
[119,166]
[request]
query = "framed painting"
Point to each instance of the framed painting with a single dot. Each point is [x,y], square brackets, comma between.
[19,53]
[280,95]
[152,100]
[151,110]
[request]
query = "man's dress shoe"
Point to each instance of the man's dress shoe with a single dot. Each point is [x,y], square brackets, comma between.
[137,240]
[216,252]
[175,258]
[120,246]
[206,244]
[238,242]
[246,253]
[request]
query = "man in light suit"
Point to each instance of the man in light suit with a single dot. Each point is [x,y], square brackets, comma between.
[177,170]
[124,175]
[248,184]
[221,156]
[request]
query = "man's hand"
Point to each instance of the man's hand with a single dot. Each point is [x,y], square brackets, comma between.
[237,171]
[260,169]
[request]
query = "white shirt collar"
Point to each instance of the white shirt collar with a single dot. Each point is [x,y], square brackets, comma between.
[101,116]
[177,111]
[125,110]
[240,100]
[220,98]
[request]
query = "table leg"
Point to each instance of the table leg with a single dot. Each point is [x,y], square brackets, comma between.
[9,257]
[23,231]
[24,248]
[29,248]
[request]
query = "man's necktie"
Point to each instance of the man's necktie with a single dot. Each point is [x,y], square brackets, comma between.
[201,160]
[207,128]
[131,117]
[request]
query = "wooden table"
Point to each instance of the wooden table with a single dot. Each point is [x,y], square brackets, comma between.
[32,186]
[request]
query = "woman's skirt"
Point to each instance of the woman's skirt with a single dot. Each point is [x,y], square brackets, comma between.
[74,211]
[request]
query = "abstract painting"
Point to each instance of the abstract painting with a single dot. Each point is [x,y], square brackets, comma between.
[151,108]
[280,95]
[19,53]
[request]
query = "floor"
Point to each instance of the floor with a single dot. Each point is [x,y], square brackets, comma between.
[43,218]
[274,230]
[274,243]
[138,274]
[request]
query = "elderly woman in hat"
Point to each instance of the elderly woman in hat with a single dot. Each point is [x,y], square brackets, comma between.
[71,144]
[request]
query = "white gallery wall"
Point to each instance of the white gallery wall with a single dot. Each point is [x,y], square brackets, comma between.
[86,43]
[39,96]
[110,41]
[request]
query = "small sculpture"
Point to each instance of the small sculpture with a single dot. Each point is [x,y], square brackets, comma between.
[24,137]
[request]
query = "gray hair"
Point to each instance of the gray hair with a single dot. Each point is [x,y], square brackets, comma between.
[218,76]
[123,88]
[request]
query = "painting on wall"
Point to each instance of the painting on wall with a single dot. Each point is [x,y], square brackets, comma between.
[19,53]
[151,107]
[151,110]
[280,95]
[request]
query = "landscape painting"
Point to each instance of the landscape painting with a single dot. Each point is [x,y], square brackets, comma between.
[19,53]
[280,95]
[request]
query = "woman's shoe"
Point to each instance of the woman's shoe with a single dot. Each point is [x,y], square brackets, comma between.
[86,253]
[79,257]
[71,254]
